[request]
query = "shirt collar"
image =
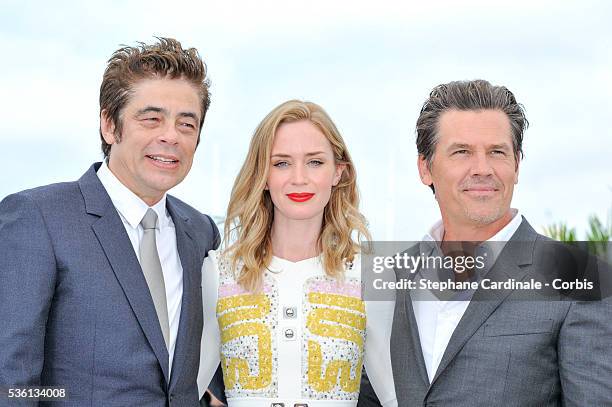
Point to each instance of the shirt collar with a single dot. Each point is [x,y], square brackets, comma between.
[436,232]
[431,240]
[127,203]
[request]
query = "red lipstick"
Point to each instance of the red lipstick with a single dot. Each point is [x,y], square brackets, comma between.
[300,196]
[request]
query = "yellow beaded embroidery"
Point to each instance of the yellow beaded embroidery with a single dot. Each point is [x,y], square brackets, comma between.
[334,340]
[236,315]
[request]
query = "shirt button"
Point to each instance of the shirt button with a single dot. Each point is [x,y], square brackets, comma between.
[289,334]
[290,312]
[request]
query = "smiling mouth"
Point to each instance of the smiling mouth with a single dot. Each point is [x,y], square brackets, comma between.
[161,159]
[300,196]
[481,192]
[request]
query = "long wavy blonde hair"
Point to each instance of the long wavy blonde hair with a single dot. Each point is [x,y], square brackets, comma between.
[250,212]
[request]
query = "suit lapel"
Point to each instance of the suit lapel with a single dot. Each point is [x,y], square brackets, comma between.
[414,344]
[475,315]
[113,238]
[414,341]
[189,255]
[518,252]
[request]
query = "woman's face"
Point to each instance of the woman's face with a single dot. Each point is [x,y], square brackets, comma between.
[302,172]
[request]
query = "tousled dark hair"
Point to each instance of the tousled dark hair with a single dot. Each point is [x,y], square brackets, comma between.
[164,59]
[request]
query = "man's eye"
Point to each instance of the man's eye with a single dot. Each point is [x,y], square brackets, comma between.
[461,152]
[150,120]
[498,152]
[188,125]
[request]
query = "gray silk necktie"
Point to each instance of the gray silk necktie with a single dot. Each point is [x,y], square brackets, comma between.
[152,270]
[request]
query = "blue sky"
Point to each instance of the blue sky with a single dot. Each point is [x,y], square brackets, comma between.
[369,64]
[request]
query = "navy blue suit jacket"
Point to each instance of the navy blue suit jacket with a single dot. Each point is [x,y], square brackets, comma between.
[75,309]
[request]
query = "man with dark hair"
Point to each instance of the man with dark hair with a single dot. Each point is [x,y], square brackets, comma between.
[100,278]
[502,347]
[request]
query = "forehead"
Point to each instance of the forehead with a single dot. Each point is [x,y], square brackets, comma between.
[474,127]
[164,93]
[298,138]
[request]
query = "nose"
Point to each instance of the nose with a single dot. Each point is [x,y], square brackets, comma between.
[298,175]
[481,164]
[169,135]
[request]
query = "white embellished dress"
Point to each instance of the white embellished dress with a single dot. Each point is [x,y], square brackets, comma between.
[301,341]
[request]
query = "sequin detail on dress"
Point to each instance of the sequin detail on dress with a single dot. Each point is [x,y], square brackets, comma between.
[333,339]
[247,323]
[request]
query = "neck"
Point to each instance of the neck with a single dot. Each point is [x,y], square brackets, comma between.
[295,240]
[150,199]
[473,232]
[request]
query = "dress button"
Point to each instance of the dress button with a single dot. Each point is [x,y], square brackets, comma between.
[290,312]
[277,405]
[289,334]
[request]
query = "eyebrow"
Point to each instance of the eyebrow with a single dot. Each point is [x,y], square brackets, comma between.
[282,155]
[155,109]
[458,146]
[502,146]
[150,109]
[189,114]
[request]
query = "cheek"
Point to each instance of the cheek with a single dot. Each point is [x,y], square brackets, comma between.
[325,197]
[325,187]
[274,183]
[509,177]
[326,179]
[188,158]
[445,179]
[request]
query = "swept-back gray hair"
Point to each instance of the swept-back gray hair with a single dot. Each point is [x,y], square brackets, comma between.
[468,95]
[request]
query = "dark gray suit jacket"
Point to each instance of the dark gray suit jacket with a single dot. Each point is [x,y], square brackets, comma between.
[75,309]
[507,352]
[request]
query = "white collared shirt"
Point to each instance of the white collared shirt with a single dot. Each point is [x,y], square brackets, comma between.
[131,211]
[436,319]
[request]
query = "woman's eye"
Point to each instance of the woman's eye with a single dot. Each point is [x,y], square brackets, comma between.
[281,164]
[315,163]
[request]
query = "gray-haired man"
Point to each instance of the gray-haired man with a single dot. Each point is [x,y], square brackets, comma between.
[491,349]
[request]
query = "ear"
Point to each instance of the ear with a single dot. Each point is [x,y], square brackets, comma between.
[107,127]
[424,171]
[338,174]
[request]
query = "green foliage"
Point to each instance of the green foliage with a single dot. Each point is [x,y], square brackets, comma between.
[561,232]
[597,236]
[598,232]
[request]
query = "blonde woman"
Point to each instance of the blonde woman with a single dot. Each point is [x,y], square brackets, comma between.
[283,311]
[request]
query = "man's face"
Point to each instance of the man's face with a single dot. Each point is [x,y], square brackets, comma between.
[158,137]
[474,168]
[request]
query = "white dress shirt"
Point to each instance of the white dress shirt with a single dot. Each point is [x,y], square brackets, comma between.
[131,211]
[436,319]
